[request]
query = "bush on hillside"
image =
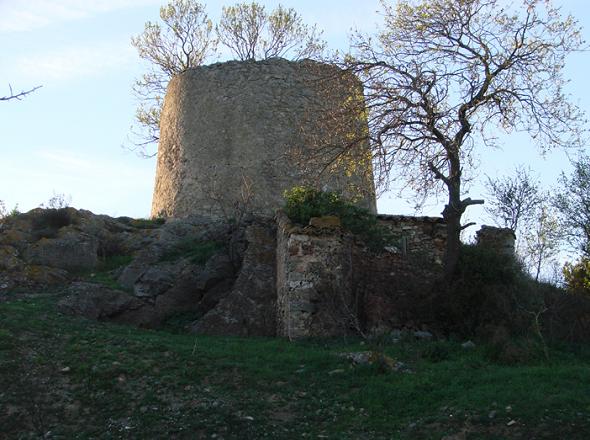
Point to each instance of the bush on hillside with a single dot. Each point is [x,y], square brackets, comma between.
[577,277]
[47,222]
[303,203]
[488,289]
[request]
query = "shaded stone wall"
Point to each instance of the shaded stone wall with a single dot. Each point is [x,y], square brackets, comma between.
[314,281]
[423,237]
[229,132]
[499,239]
[330,284]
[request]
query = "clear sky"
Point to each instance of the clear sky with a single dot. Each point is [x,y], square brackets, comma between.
[67,137]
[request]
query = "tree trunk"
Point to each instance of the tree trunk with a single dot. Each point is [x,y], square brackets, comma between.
[452,215]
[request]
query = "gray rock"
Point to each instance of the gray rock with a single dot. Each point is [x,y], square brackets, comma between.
[468,345]
[249,309]
[73,251]
[156,280]
[95,301]
[423,334]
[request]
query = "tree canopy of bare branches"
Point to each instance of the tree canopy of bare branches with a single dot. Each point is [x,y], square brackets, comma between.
[187,38]
[442,75]
[513,200]
[253,34]
[573,203]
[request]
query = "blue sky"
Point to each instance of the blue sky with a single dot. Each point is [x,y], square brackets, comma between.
[67,137]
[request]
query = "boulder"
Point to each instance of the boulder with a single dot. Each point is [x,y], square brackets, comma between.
[73,252]
[95,301]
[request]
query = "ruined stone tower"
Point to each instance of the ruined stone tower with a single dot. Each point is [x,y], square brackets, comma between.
[237,130]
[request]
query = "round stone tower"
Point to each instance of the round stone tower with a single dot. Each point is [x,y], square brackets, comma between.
[241,133]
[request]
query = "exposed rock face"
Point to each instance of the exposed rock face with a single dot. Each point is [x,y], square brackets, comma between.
[233,125]
[250,308]
[95,301]
[71,251]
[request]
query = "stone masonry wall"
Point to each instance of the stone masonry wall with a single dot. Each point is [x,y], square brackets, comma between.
[229,132]
[499,239]
[314,281]
[424,237]
[330,284]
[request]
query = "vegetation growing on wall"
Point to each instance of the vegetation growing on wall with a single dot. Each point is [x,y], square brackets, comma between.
[303,203]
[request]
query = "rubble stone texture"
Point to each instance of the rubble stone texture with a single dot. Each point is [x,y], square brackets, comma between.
[499,239]
[238,131]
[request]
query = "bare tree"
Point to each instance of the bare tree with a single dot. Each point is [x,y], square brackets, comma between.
[573,203]
[253,34]
[186,39]
[542,241]
[18,96]
[443,74]
[513,200]
[183,40]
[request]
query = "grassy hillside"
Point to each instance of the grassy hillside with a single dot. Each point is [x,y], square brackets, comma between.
[64,377]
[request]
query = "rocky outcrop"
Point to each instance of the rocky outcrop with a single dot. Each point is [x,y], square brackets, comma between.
[176,267]
[96,301]
[73,251]
[250,308]
[262,278]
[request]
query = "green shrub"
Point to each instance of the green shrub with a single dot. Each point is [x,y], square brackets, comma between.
[303,203]
[577,276]
[49,221]
[487,289]
[147,223]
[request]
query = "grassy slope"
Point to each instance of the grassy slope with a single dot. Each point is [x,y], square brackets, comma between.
[82,379]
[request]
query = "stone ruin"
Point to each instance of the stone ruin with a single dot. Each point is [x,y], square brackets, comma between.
[224,125]
[244,130]
[232,128]
[501,240]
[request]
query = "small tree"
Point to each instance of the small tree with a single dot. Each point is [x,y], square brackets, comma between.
[513,200]
[577,276]
[518,203]
[253,34]
[573,203]
[541,243]
[186,39]
[183,40]
[442,74]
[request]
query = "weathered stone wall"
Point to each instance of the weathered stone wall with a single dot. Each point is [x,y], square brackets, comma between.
[422,237]
[236,124]
[499,239]
[330,284]
[314,281]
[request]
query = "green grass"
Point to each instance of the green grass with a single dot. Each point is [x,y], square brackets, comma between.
[147,223]
[83,379]
[104,274]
